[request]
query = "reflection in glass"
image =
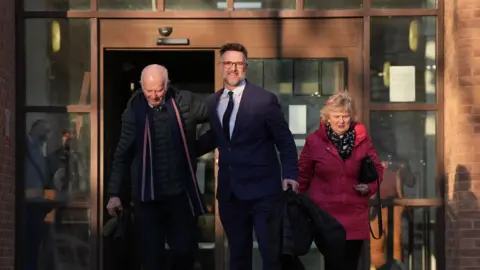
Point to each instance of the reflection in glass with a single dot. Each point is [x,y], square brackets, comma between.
[56,5]
[57,174]
[296,82]
[406,142]
[58,62]
[404,3]
[319,77]
[206,223]
[338,4]
[412,232]
[255,71]
[127,5]
[206,181]
[278,76]
[305,82]
[403,41]
[264,4]
[195,4]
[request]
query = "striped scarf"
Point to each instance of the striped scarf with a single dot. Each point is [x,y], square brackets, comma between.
[147,186]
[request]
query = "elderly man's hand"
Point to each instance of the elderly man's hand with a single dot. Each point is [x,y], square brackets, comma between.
[114,205]
[290,183]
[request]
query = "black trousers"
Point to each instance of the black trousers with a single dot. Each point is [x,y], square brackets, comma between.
[169,221]
[353,251]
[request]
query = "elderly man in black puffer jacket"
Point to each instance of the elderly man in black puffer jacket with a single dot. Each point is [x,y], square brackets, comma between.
[156,143]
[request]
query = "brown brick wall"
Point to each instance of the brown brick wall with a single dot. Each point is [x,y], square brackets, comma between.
[7,154]
[462,133]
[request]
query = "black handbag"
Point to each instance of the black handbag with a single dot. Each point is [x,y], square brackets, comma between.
[368,174]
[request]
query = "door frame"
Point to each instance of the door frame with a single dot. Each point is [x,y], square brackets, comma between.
[219,234]
[286,43]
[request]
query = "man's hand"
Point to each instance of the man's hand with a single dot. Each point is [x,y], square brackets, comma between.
[114,205]
[290,183]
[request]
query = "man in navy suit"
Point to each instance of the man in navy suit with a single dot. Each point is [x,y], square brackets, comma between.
[248,127]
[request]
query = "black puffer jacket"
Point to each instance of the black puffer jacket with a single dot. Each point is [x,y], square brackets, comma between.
[193,112]
[295,224]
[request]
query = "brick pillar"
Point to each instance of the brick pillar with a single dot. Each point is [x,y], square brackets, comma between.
[462,133]
[7,145]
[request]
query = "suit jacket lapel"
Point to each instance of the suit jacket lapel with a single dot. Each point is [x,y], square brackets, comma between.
[213,109]
[243,109]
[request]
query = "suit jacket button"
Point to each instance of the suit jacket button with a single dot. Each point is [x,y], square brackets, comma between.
[229,149]
[230,167]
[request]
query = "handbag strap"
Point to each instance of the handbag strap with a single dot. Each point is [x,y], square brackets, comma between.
[379,214]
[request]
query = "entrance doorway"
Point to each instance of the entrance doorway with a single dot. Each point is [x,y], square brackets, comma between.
[188,70]
[301,72]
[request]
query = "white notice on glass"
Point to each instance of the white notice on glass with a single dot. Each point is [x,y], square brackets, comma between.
[402,84]
[297,119]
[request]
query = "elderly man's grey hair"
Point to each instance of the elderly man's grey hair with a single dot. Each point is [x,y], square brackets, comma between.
[156,69]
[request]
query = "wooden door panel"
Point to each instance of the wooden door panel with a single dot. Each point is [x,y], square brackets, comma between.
[288,38]
[306,34]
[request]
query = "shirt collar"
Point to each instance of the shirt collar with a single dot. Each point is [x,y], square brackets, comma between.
[237,91]
[163,103]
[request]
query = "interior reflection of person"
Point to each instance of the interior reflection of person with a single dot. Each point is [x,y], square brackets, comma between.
[329,169]
[65,162]
[37,179]
[397,174]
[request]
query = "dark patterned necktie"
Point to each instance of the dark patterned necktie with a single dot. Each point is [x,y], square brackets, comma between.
[227,115]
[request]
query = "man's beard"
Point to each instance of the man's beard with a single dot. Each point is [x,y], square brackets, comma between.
[234,82]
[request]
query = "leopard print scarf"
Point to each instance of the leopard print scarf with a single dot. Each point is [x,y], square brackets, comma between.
[344,143]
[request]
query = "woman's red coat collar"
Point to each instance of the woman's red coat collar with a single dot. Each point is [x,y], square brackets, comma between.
[360,131]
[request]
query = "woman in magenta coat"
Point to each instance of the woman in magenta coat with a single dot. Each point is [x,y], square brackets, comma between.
[329,168]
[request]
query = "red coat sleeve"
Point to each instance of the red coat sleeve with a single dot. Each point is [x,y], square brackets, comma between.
[305,168]
[373,155]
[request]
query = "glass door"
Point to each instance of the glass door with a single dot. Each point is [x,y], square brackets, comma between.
[303,74]
[58,231]
[121,74]
[302,86]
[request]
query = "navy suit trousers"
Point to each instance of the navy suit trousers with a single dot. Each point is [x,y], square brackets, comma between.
[240,218]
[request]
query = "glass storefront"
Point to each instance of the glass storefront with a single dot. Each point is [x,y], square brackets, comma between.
[403,50]
[58,70]
[57,191]
[68,70]
[403,42]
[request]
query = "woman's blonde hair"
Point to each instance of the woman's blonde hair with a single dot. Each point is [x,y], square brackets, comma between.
[339,101]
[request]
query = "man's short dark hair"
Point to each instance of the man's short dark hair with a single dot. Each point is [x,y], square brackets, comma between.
[236,47]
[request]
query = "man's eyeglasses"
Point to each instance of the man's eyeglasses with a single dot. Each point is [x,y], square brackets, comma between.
[228,64]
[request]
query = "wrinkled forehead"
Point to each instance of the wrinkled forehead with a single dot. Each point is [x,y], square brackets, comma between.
[339,112]
[151,83]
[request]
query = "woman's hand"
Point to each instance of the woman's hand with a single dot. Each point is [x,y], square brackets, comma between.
[362,189]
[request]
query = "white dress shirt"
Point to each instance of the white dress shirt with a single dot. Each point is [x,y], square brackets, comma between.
[223,103]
